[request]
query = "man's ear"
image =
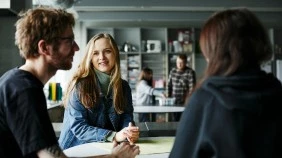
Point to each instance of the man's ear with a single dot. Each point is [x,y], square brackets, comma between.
[43,47]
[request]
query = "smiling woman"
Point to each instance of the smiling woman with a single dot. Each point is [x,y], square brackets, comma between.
[104,56]
[98,103]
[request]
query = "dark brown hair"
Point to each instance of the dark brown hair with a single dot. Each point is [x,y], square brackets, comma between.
[234,39]
[40,23]
[183,57]
[147,75]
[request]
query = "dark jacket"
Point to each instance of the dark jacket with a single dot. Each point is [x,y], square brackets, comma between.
[232,117]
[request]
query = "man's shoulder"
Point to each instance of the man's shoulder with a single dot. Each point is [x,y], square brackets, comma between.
[9,77]
[18,80]
[189,70]
[9,73]
[173,70]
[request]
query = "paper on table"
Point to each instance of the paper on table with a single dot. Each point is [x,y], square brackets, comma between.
[85,150]
[156,146]
[147,146]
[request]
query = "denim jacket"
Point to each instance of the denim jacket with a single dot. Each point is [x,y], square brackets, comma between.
[83,125]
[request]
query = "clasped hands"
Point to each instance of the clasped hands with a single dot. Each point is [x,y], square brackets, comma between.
[130,133]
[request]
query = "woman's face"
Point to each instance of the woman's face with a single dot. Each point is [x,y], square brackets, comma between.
[103,56]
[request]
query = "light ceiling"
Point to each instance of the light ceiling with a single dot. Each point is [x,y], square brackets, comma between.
[166,12]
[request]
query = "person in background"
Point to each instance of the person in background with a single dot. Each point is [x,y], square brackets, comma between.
[98,102]
[145,92]
[235,111]
[45,39]
[181,82]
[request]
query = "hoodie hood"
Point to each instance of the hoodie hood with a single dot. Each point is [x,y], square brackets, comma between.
[245,90]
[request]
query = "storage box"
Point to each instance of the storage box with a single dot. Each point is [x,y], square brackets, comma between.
[167,101]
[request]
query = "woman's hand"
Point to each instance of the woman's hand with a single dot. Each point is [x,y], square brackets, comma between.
[131,133]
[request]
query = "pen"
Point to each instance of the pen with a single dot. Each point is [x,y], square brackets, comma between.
[127,141]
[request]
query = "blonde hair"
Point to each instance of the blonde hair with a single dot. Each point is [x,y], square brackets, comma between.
[84,80]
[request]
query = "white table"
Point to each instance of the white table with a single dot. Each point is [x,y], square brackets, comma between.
[162,144]
[158,109]
[57,126]
[51,105]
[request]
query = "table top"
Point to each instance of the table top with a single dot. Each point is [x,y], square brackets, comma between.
[158,109]
[150,147]
[51,105]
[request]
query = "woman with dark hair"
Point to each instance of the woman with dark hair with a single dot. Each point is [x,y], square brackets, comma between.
[235,111]
[98,103]
[145,91]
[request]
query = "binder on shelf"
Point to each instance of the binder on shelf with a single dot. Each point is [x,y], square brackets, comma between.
[55,91]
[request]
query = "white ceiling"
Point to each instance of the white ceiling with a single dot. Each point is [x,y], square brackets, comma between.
[167,12]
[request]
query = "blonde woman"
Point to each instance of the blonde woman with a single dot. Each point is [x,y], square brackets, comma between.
[98,103]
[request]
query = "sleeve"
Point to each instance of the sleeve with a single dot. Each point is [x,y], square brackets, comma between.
[157,93]
[29,121]
[79,124]
[144,88]
[191,80]
[194,78]
[127,116]
[169,84]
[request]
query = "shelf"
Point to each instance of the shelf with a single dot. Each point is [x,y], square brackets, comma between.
[130,53]
[152,61]
[93,31]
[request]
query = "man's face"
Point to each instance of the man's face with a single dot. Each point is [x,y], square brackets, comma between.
[63,57]
[180,64]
